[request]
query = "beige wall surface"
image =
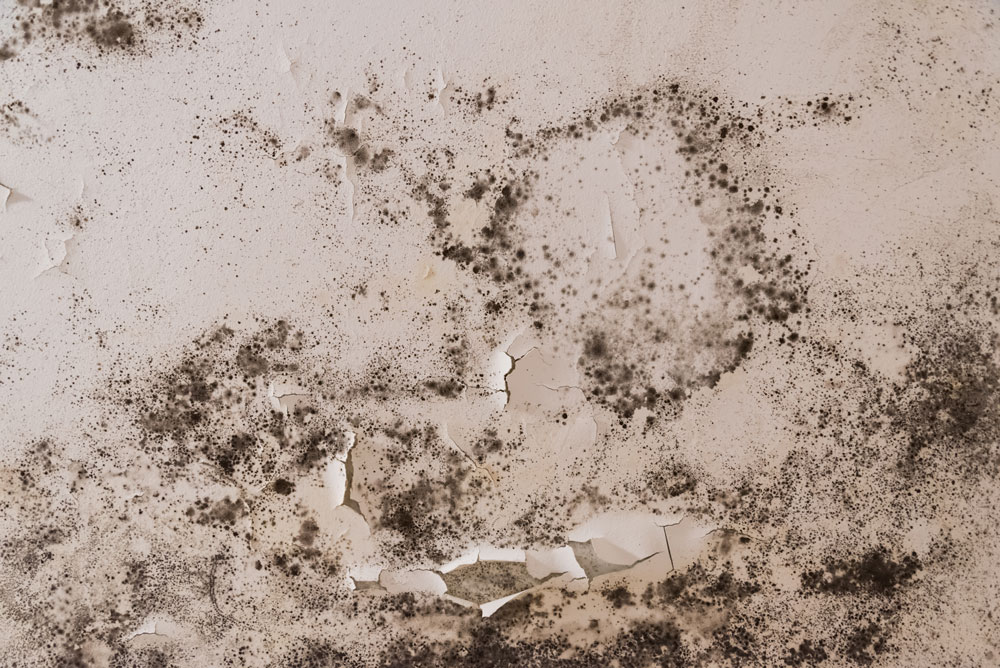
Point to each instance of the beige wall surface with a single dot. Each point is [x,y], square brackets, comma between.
[499,333]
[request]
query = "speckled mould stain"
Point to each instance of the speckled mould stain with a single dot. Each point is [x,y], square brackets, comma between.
[101,26]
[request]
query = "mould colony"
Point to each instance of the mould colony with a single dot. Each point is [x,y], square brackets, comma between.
[104,26]
[706,131]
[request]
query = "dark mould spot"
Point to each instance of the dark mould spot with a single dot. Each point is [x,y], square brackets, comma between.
[619,596]
[380,160]
[949,409]
[808,653]
[865,643]
[308,532]
[347,139]
[596,346]
[875,572]
[477,190]
[486,101]
[250,361]
[448,388]
[112,30]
